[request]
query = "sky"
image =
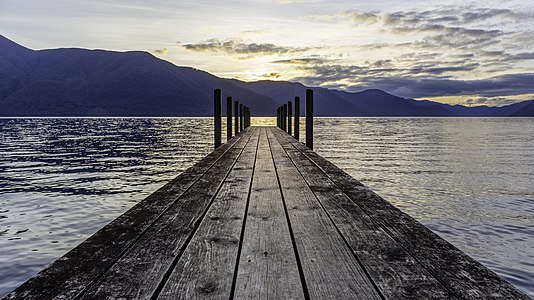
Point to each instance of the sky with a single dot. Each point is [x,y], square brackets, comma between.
[466,52]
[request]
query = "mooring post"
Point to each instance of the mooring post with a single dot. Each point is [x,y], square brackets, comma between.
[279,117]
[289,115]
[284,117]
[236,117]
[228,118]
[240,117]
[246,117]
[217,117]
[309,118]
[296,128]
[280,111]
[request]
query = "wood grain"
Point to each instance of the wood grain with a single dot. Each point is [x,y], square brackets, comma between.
[330,269]
[206,268]
[396,273]
[267,266]
[138,273]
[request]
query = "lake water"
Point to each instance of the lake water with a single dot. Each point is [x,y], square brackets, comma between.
[468,179]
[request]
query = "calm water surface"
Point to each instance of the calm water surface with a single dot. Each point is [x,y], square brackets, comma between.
[469,179]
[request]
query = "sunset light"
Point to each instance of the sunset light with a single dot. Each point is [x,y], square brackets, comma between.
[416,50]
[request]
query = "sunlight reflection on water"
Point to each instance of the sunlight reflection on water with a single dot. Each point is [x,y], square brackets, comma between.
[468,179]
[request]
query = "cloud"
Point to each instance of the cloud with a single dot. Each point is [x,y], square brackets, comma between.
[521,56]
[493,101]
[383,63]
[162,51]
[254,32]
[441,15]
[271,75]
[382,68]
[447,26]
[361,17]
[238,47]
[482,14]
[418,79]
[419,87]
[460,38]
[300,61]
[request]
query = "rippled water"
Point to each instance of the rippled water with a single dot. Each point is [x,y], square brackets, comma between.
[471,180]
[63,179]
[468,179]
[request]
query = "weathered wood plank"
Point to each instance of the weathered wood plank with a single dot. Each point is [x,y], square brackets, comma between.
[140,270]
[330,269]
[467,278]
[206,268]
[267,265]
[71,274]
[396,273]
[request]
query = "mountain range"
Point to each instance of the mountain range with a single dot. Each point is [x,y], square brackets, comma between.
[81,82]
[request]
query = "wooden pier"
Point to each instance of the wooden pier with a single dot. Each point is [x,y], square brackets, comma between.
[265,217]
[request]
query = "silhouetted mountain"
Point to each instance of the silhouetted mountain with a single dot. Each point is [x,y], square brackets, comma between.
[526,109]
[372,102]
[80,82]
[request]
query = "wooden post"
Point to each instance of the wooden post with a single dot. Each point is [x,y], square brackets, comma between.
[296,128]
[240,117]
[309,118]
[236,117]
[280,110]
[246,117]
[228,118]
[284,117]
[278,117]
[289,116]
[217,117]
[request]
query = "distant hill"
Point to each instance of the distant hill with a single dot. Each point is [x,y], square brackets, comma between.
[526,110]
[80,82]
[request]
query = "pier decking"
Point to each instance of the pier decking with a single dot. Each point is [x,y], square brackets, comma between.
[265,217]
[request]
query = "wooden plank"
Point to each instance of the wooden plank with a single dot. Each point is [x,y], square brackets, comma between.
[267,265]
[464,276]
[206,268]
[138,273]
[72,273]
[396,273]
[330,269]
